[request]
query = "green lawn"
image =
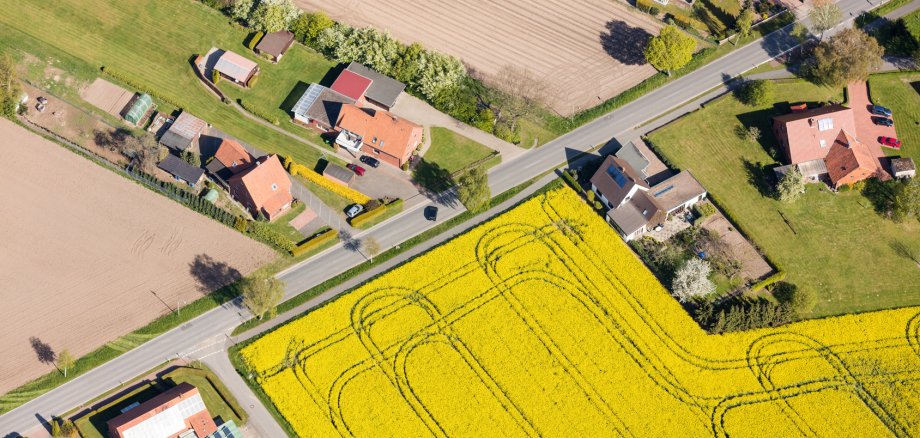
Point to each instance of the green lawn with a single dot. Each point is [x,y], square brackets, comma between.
[901,93]
[913,23]
[152,42]
[839,245]
[452,151]
[281,224]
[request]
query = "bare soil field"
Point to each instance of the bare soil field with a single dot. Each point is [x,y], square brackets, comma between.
[586,50]
[107,96]
[87,256]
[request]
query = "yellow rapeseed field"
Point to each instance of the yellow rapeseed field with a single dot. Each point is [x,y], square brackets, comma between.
[543,322]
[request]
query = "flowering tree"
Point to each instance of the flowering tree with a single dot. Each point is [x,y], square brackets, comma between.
[273,15]
[692,280]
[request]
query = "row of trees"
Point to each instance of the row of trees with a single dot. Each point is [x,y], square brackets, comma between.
[10,90]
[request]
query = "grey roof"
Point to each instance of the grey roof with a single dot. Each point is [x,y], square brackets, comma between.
[338,172]
[676,190]
[182,131]
[615,178]
[173,140]
[384,89]
[813,168]
[634,157]
[321,104]
[904,164]
[639,211]
[176,167]
[276,43]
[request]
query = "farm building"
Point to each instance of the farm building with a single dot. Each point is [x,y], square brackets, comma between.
[378,133]
[338,174]
[636,207]
[383,91]
[183,132]
[139,109]
[231,158]
[179,411]
[182,171]
[903,167]
[274,45]
[231,66]
[264,188]
[319,107]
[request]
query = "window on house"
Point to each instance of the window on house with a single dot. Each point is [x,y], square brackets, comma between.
[823,143]
[233,164]
[374,140]
[274,187]
[825,124]
[381,143]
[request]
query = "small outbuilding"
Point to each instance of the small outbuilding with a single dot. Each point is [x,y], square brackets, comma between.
[139,109]
[182,171]
[183,132]
[338,174]
[231,66]
[903,167]
[275,45]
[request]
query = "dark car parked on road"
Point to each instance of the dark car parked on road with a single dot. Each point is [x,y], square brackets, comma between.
[431,213]
[883,121]
[880,111]
[370,161]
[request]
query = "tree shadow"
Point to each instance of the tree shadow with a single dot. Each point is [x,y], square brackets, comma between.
[432,177]
[916,86]
[777,43]
[43,351]
[288,103]
[906,251]
[624,43]
[212,274]
[881,194]
[760,177]
[763,120]
[349,242]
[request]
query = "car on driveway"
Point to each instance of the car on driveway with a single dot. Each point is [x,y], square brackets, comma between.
[355,168]
[370,161]
[890,142]
[880,111]
[354,210]
[431,213]
[882,121]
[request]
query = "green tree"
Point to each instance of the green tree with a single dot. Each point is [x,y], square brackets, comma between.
[261,293]
[801,35]
[273,15]
[790,186]
[670,50]
[65,361]
[437,72]
[907,200]
[744,22]
[307,26]
[191,158]
[756,93]
[215,76]
[824,15]
[371,247]
[240,10]
[520,94]
[473,189]
[407,64]
[802,299]
[848,56]
[10,90]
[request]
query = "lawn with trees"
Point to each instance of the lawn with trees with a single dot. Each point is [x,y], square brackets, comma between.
[836,244]
[901,93]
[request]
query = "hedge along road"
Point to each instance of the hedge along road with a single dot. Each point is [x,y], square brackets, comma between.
[217,323]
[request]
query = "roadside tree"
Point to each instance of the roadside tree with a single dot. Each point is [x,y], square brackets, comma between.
[744,22]
[65,361]
[756,93]
[473,189]
[520,94]
[261,293]
[848,56]
[670,50]
[791,186]
[692,280]
[824,15]
[371,247]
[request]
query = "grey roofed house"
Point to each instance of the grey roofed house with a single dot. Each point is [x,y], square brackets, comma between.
[676,191]
[641,210]
[616,181]
[183,131]
[181,170]
[321,105]
[384,90]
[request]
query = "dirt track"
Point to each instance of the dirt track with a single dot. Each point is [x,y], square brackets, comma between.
[81,249]
[587,50]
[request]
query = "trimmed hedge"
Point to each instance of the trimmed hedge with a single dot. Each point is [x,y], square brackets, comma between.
[137,86]
[259,114]
[374,213]
[265,233]
[256,37]
[339,189]
[779,276]
[314,242]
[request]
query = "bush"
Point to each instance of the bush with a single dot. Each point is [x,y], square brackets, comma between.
[704,210]
[375,212]
[334,187]
[241,224]
[264,232]
[314,242]
[802,299]
[215,76]
[778,276]
[254,40]
[756,93]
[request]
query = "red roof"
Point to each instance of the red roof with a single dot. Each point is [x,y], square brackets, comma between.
[264,187]
[849,161]
[808,135]
[381,130]
[351,84]
[232,155]
[200,421]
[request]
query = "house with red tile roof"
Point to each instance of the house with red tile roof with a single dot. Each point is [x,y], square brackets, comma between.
[263,188]
[177,412]
[849,161]
[229,159]
[378,133]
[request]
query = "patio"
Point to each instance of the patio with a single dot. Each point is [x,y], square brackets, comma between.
[675,224]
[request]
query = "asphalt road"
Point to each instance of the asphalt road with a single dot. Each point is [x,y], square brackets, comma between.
[211,329]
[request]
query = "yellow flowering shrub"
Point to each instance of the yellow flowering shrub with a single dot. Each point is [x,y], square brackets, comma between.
[543,322]
[334,187]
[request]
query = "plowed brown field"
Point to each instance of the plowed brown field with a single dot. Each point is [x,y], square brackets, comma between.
[83,250]
[586,50]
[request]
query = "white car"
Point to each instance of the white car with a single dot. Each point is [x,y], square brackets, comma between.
[354,210]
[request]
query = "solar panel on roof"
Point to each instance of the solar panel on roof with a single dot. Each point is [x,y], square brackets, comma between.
[308,99]
[617,175]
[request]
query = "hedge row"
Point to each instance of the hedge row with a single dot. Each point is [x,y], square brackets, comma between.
[137,86]
[264,232]
[190,199]
[342,190]
[376,212]
[778,276]
[315,242]
[259,114]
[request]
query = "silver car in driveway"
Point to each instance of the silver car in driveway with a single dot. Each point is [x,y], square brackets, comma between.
[354,210]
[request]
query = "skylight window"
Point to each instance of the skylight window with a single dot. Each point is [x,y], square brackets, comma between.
[823,143]
[825,124]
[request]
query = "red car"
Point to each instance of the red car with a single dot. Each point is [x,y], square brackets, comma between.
[890,142]
[356,169]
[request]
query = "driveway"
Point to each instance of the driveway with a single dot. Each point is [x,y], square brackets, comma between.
[866,131]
